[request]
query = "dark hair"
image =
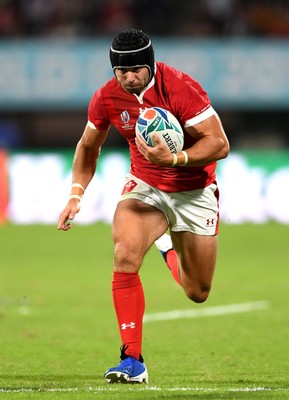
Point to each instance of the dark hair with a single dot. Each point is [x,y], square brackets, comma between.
[132,48]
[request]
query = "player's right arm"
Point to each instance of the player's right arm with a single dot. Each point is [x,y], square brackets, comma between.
[84,166]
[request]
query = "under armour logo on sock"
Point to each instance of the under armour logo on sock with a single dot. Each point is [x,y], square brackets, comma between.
[125,326]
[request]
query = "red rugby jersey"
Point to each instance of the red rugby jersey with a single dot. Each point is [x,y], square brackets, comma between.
[170,89]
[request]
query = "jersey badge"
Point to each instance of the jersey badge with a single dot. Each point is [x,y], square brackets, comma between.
[125,117]
[129,186]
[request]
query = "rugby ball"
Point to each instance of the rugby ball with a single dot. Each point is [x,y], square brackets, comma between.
[162,122]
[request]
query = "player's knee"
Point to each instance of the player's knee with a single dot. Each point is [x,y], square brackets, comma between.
[126,259]
[198,295]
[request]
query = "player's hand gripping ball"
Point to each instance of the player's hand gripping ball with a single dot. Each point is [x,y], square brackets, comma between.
[162,122]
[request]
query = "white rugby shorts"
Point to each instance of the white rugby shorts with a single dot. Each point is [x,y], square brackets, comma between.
[195,211]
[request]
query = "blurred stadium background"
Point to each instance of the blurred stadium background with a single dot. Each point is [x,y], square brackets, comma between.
[54,55]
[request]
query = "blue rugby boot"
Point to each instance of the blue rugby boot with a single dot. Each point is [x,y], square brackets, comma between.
[129,370]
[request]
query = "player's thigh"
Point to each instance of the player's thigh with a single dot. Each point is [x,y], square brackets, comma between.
[197,256]
[136,225]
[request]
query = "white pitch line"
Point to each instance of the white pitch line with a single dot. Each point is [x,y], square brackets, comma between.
[208,311]
[115,388]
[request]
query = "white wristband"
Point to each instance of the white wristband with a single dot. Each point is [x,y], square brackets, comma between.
[78,185]
[175,160]
[186,158]
[75,196]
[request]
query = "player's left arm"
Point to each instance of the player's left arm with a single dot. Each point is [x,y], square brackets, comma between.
[211,145]
[211,142]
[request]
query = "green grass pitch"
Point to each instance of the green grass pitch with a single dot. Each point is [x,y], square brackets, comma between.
[58,332]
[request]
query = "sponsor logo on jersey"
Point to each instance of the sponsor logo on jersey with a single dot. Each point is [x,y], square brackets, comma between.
[141,110]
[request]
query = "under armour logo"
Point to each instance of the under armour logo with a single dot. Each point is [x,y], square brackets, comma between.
[125,326]
[210,221]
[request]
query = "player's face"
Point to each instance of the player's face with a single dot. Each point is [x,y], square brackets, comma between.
[133,80]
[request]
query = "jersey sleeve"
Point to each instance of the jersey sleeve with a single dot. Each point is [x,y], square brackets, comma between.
[202,116]
[191,101]
[97,116]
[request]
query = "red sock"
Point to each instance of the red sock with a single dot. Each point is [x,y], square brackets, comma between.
[129,304]
[172,263]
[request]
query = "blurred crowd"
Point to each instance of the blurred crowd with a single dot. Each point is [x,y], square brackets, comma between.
[88,18]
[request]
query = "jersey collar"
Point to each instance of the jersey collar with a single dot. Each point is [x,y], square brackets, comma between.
[152,82]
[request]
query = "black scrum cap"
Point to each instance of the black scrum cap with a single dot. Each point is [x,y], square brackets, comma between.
[132,48]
